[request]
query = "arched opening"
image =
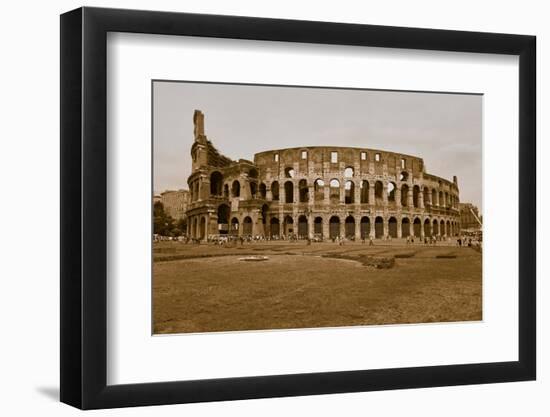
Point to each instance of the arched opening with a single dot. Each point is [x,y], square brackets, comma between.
[378,190]
[350,227]
[275,228]
[348,172]
[392,227]
[302,227]
[247,226]
[304,191]
[391,192]
[449,229]
[435,228]
[289,192]
[364,192]
[416,192]
[318,226]
[289,172]
[288,225]
[234,226]
[319,189]
[349,189]
[441,200]
[405,227]
[265,209]
[216,183]
[253,173]
[202,232]
[275,191]
[263,190]
[365,227]
[405,195]
[427,228]
[426,195]
[253,189]
[442,228]
[435,200]
[334,191]
[334,227]
[404,176]
[226,190]
[223,219]
[236,189]
[378,227]
[417,225]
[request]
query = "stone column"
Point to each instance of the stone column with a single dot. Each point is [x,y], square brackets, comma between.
[421,199]
[385,193]
[343,228]
[326,231]
[399,229]
[311,195]
[422,230]
[282,193]
[268,193]
[357,192]
[372,201]
[357,228]
[410,197]
[296,189]
[326,190]
[342,192]
[386,227]
[372,232]
[310,220]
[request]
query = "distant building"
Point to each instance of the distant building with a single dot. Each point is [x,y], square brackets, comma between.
[469,217]
[175,203]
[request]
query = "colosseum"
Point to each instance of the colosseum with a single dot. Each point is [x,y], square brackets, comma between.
[317,192]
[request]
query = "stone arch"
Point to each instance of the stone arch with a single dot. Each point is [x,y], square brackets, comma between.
[216,183]
[253,173]
[236,189]
[334,190]
[427,228]
[435,228]
[275,190]
[289,172]
[404,176]
[263,190]
[392,227]
[289,192]
[234,230]
[303,232]
[247,226]
[391,191]
[405,227]
[265,210]
[348,172]
[253,189]
[405,195]
[226,190]
[334,227]
[378,190]
[350,227]
[223,218]
[288,225]
[448,228]
[364,192]
[417,225]
[303,191]
[378,227]
[442,231]
[275,226]
[365,227]
[318,226]
[319,190]
[349,189]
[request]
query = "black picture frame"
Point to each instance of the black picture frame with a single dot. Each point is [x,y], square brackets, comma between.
[84,207]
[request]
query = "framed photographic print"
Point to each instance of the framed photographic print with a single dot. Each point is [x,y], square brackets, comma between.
[257,208]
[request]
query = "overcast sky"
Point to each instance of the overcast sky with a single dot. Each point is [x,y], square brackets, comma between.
[443,129]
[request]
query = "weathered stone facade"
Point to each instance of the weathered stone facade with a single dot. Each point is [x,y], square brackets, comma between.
[470,218]
[175,203]
[318,191]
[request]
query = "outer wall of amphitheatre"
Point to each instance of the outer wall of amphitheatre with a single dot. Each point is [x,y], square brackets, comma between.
[317,192]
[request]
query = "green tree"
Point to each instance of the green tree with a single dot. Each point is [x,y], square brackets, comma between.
[163,224]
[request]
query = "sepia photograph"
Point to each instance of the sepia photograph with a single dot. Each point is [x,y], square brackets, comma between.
[294,207]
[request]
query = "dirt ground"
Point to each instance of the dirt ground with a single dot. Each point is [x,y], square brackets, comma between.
[206,288]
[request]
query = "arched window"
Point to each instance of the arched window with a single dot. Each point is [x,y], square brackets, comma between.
[364,192]
[289,192]
[216,182]
[263,190]
[391,192]
[319,189]
[378,190]
[349,188]
[304,191]
[416,193]
[334,190]
[236,189]
[275,190]
[348,172]
[289,172]
[405,195]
